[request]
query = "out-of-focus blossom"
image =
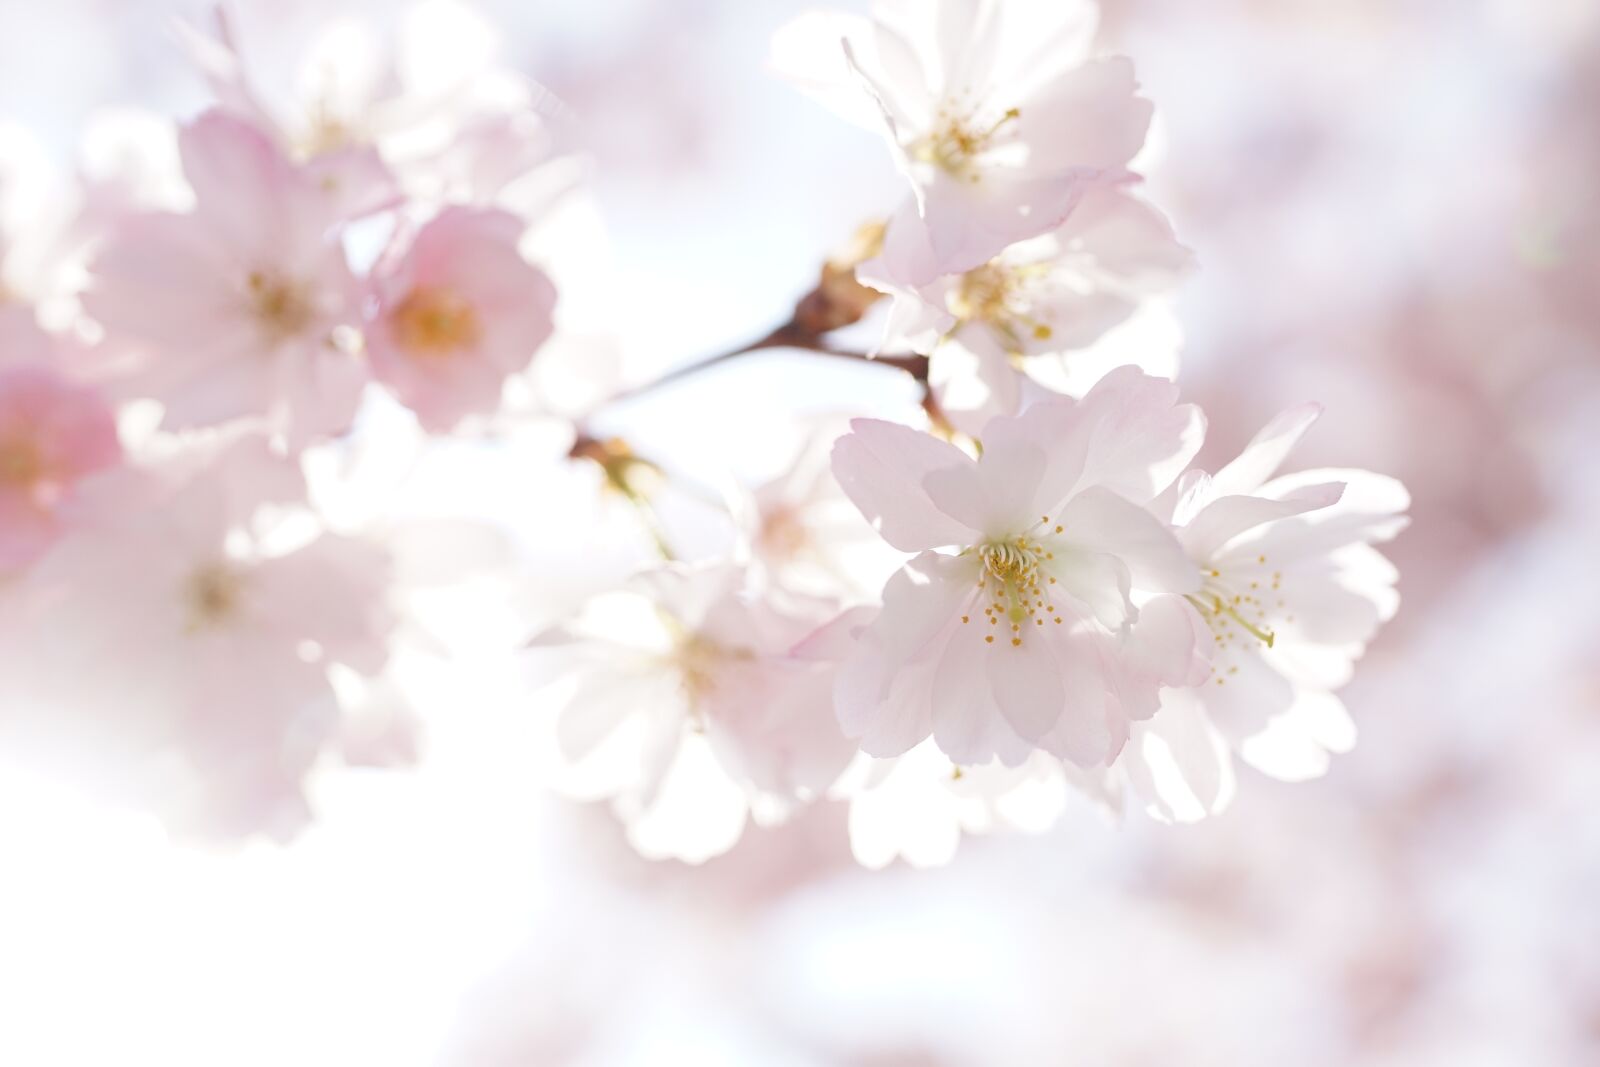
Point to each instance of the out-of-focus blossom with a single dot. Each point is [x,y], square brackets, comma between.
[1293,591]
[918,806]
[1023,637]
[680,699]
[804,534]
[456,314]
[234,309]
[53,433]
[994,112]
[1052,295]
[357,99]
[181,637]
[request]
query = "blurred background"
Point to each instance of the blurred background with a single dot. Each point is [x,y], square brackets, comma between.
[1396,209]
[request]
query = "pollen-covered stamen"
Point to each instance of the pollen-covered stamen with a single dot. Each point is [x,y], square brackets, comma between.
[1010,582]
[996,295]
[956,138]
[1238,607]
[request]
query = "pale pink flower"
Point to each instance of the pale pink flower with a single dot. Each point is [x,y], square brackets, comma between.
[1022,635]
[1051,295]
[993,110]
[179,644]
[1292,592]
[681,701]
[375,104]
[53,433]
[804,535]
[234,309]
[457,314]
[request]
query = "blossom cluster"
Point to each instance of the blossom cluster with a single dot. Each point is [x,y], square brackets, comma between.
[181,615]
[949,627]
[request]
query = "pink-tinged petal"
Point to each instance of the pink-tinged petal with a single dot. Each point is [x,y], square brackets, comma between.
[1099,521]
[1295,746]
[1168,646]
[881,467]
[973,381]
[1230,516]
[1266,452]
[900,714]
[165,281]
[1098,583]
[1083,734]
[247,192]
[772,722]
[26,530]
[1178,764]
[1089,117]
[1027,685]
[995,496]
[1370,510]
[1138,438]
[1129,239]
[969,223]
[1242,699]
[806,52]
[967,724]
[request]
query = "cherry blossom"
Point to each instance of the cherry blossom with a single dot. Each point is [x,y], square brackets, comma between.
[1292,592]
[1052,295]
[994,112]
[680,700]
[1023,636]
[202,633]
[234,309]
[456,314]
[53,433]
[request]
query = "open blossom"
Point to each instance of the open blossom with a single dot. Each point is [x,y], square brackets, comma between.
[684,704]
[1051,295]
[1022,634]
[53,433]
[196,672]
[993,110]
[1292,592]
[458,313]
[233,309]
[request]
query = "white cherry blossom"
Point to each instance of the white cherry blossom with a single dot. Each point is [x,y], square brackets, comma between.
[1020,635]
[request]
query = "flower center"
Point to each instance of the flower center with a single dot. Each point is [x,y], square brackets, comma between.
[956,140]
[213,595]
[20,463]
[1010,584]
[435,322]
[1238,608]
[994,295]
[281,306]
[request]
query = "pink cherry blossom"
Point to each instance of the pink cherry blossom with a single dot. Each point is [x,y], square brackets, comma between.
[53,433]
[195,679]
[234,309]
[1051,295]
[1292,592]
[457,314]
[681,701]
[1023,636]
[994,112]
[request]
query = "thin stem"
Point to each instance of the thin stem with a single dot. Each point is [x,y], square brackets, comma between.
[789,335]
